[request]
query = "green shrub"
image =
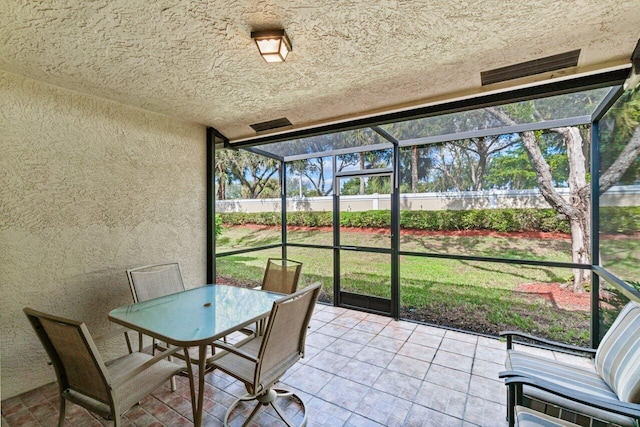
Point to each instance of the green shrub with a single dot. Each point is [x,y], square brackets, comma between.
[218,225]
[612,219]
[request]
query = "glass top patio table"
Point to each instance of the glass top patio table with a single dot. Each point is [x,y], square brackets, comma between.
[196,316]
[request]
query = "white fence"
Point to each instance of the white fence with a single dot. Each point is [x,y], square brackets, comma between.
[628,195]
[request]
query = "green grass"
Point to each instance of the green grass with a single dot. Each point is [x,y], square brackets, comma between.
[620,256]
[476,296]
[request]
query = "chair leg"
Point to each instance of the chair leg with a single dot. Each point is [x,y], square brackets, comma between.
[63,402]
[253,414]
[511,405]
[281,413]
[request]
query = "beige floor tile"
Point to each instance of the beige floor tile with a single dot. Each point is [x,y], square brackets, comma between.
[460,347]
[392,330]
[328,361]
[345,347]
[440,400]
[375,356]
[319,340]
[483,412]
[384,408]
[361,372]
[487,369]
[492,390]
[490,354]
[425,339]
[424,417]
[359,337]
[415,351]
[409,366]
[397,384]
[344,393]
[369,326]
[386,343]
[453,360]
[460,336]
[333,330]
[447,377]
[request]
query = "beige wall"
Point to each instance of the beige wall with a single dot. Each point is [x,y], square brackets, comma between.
[88,188]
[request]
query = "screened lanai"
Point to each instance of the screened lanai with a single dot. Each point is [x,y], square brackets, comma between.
[479,215]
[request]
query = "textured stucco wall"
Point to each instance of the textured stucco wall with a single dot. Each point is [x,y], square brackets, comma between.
[88,188]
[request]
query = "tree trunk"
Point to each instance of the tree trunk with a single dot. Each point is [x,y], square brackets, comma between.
[222,184]
[414,169]
[580,213]
[361,178]
[577,209]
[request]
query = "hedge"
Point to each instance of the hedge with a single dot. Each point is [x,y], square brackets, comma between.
[613,219]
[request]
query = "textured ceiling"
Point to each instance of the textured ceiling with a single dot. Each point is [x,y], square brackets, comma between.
[195,60]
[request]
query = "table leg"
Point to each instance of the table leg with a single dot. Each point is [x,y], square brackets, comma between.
[202,364]
[187,359]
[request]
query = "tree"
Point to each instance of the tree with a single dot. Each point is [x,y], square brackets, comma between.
[577,208]
[477,153]
[254,172]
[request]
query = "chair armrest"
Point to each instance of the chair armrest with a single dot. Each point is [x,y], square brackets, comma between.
[605,404]
[510,334]
[235,350]
[141,368]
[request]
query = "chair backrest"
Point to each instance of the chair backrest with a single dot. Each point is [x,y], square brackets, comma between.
[281,275]
[284,338]
[153,281]
[618,355]
[74,355]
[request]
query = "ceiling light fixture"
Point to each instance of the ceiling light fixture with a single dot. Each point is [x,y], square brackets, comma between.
[274,45]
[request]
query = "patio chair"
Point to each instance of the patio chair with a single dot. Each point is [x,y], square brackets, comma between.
[260,362]
[526,417]
[108,389]
[153,281]
[281,275]
[610,392]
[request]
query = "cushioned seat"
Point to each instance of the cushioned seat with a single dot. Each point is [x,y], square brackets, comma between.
[572,377]
[609,392]
[527,417]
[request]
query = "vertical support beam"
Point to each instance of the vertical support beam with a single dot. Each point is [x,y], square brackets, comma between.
[595,231]
[283,208]
[212,137]
[336,235]
[211,207]
[395,233]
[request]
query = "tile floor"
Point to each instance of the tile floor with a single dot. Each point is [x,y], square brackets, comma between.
[360,370]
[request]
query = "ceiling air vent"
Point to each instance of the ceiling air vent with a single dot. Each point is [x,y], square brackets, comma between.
[529,68]
[271,124]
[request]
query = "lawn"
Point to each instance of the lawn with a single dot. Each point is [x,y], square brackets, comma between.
[471,295]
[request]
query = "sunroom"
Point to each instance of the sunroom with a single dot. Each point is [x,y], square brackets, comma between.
[392,152]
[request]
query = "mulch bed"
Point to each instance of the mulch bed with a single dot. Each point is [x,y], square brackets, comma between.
[560,296]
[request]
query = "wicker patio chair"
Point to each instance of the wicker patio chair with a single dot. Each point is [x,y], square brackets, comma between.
[108,389]
[260,362]
[153,281]
[610,392]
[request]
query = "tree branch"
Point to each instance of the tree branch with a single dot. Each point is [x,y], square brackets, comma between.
[628,155]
